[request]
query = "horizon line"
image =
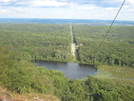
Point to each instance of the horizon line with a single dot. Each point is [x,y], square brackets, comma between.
[67,19]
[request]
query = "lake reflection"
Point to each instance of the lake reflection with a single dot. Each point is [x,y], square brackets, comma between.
[71,70]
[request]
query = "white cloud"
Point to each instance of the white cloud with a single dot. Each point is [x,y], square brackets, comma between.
[129,6]
[22,3]
[127,2]
[6,0]
[63,0]
[87,8]
[12,10]
[66,9]
[126,6]
[110,8]
[60,13]
[111,1]
[4,11]
[130,2]
[129,10]
[53,3]
[20,9]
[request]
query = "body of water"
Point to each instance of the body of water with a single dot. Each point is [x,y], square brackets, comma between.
[71,70]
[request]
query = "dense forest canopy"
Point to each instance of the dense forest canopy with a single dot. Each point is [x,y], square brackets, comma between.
[52,42]
[117,48]
[37,41]
[21,43]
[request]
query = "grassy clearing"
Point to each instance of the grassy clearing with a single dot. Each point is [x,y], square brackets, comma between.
[115,72]
[103,74]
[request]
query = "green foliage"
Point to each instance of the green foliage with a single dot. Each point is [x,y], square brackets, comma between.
[23,77]
[77,90]
[109,89]
[52,42]
[37,41]
[117,48]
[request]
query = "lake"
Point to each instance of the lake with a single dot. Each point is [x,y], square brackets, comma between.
[71,70]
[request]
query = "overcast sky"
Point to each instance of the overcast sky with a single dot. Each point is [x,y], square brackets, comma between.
[67,9]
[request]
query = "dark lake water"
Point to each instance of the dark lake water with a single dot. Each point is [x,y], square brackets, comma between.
[71,70]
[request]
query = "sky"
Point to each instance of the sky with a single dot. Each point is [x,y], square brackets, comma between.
[67,9]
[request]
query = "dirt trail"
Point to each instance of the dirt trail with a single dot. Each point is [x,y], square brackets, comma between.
[73,50]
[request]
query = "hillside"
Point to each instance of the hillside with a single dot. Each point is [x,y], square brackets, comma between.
[22,43]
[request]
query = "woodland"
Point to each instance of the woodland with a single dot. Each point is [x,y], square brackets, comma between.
[22,43]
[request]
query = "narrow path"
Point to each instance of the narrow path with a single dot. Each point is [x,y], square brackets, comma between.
[73,50]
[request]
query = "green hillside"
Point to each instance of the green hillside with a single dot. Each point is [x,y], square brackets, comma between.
[21,43]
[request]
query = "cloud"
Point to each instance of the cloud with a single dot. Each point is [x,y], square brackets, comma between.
[20,9]
[111,8]
[60,13]
[126,6]
[13,9]
[36,3]
[4,11]
[112,1]
[64,0]
[6,0]
[131,10]
[87,8]
[58,3]
[22,3]
[47,3]
[119,2]
[130,2]
[76,9]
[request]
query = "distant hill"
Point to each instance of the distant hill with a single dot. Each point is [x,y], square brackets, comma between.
[67,21]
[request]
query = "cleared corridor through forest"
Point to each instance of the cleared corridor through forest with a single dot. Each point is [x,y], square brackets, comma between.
[73,50]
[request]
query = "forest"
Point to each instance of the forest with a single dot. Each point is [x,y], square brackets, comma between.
[52,42]
[37,41]
[22,43]
[116,49]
